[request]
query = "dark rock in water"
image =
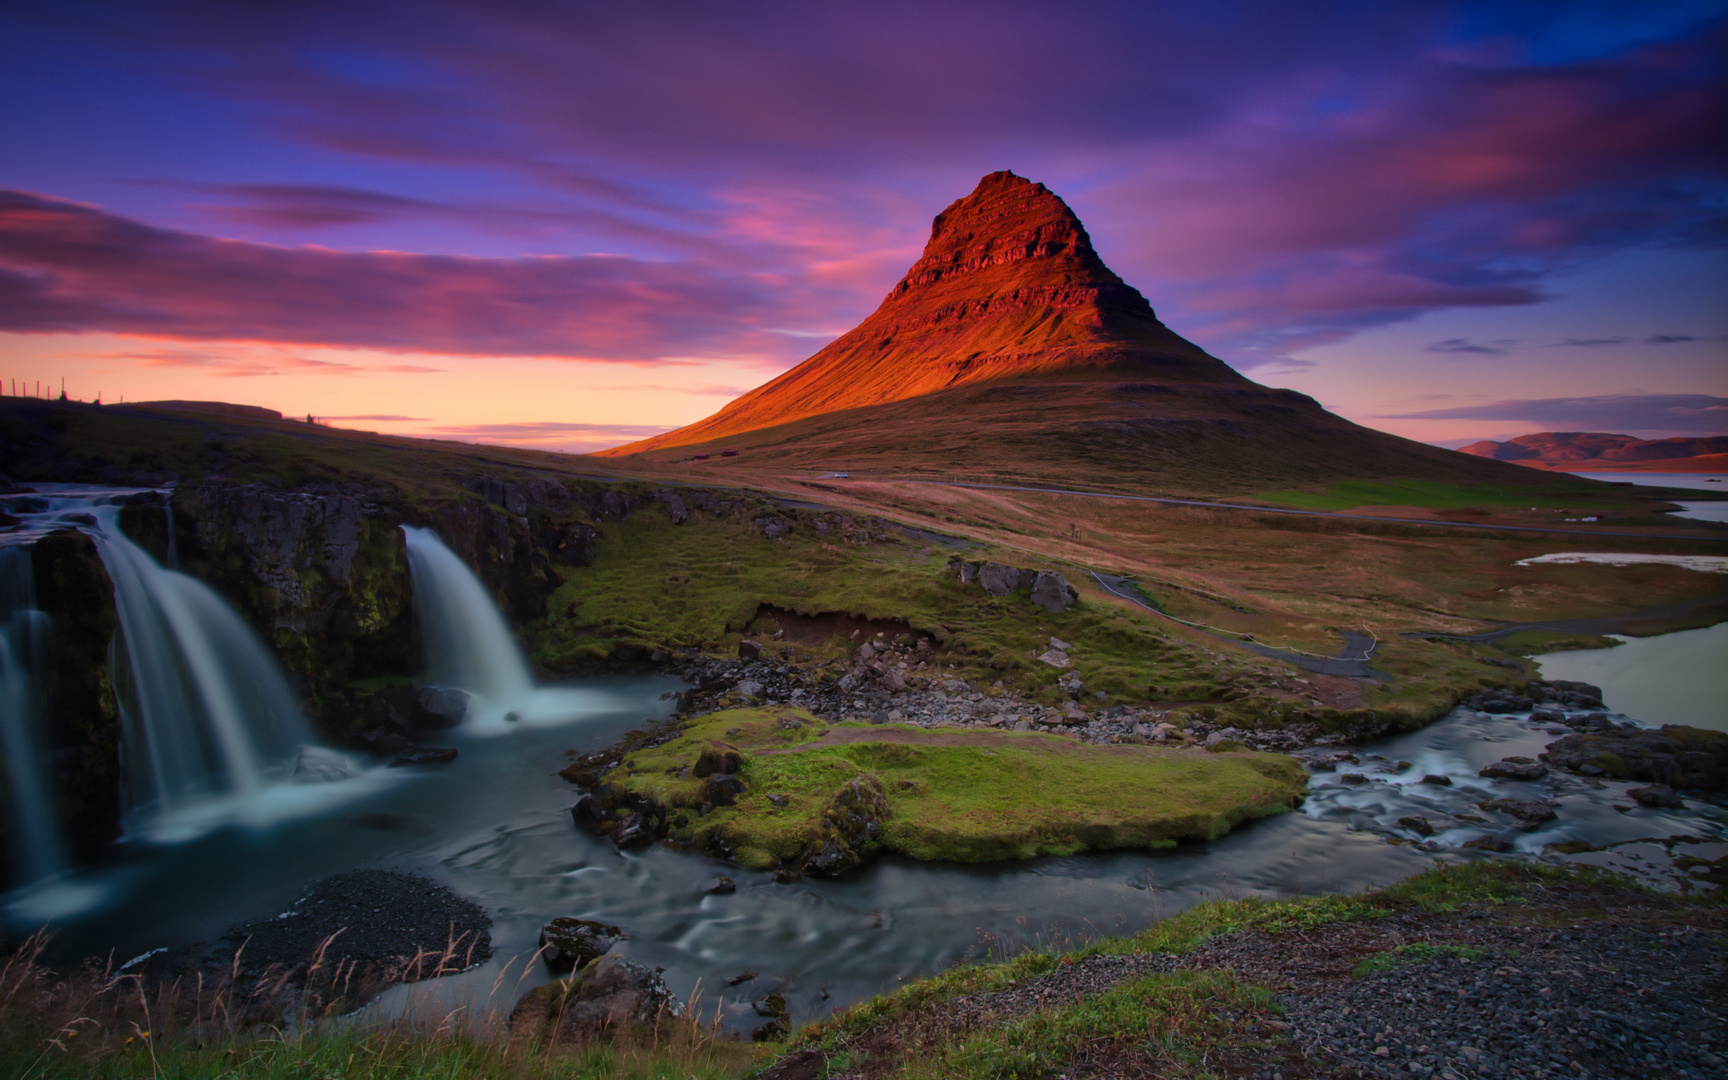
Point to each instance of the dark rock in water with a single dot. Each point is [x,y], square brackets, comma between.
[1656,796]
[1052,592]
[144,519]
[1437,780]
[79,519]
[719,886]
[425,755]
[779,1023]
[636,830]
[1488,843]
[441,706]
[1353,779]
[742,977]
[1514,768]
[610,996]
[589,812]
[1675,756]
[1416,824]
[384,742]
[1530,813]
[750,649]
[570,943]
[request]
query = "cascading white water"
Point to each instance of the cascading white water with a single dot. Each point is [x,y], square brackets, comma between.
[210,725]
[469,647]
[37,849]
[467,644]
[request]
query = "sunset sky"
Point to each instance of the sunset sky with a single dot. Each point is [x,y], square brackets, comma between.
[570,225]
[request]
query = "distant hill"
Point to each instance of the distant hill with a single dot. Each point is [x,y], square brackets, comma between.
[1010,350]
[1597,451]
[254,412]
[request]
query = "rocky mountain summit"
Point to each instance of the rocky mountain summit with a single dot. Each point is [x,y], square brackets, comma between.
[1010,349]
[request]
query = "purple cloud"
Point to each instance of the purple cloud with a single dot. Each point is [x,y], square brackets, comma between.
[1687,414]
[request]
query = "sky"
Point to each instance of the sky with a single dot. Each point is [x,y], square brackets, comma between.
[571,225]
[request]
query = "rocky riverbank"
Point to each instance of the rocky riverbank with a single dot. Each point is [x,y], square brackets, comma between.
[1483,971]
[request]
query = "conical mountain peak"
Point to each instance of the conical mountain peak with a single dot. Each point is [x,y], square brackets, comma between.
[1009,286]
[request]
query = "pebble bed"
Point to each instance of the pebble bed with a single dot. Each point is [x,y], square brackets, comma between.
[1598,1000]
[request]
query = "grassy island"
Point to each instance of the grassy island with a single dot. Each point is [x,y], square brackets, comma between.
[822,796]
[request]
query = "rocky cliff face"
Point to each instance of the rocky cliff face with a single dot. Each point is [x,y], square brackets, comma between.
[1008,285]
[74,589]
[322,574]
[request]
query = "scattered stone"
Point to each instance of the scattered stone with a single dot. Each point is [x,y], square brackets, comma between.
[1529,812]
[1514,768]
[1056,659]
[742,977]
[1489,842]
[1656,796]
[1416,824]
[570,943]
[719,886]
[425,755]
[750,688]
[772,1006]
[1353,779]
[1437,780]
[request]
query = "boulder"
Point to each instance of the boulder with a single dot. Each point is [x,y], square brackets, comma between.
[750,688]
[1656,797]
[750,649]
[609,996]
[851,825]
[1416,824]
[719,886]
[674,506]
[320,764]
[968,572]
[1514,768]
[722,789]
[717,758]
[998,579]
[567,943]
[1437,780]
[1530,813]
[1488,843]
[550,494]
[1052,592]
[1675,756]
[441,706]
[1056,659]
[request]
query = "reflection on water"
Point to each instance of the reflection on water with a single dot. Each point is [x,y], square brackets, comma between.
[1679,678]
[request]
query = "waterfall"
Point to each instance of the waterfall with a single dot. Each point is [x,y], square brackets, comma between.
[211,730]
[37,852]
[467,644]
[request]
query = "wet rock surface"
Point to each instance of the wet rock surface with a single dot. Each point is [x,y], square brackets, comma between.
[570,943]
[1673,756]
[609,996]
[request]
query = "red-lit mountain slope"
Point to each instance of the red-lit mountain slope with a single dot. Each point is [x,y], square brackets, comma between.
[1009,349]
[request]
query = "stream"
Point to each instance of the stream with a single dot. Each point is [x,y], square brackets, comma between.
[494,825]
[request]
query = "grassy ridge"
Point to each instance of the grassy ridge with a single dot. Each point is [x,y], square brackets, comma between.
[966,796]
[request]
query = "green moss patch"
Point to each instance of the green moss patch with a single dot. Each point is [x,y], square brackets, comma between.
[958,794]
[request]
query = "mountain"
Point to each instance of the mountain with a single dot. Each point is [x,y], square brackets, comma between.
[1597,451]
[1009,350]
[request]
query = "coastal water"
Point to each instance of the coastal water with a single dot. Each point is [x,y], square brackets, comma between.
[1679,678]
[1716,483]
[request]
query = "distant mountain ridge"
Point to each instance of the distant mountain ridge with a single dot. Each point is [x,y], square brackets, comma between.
[1598,451]
[1010,351]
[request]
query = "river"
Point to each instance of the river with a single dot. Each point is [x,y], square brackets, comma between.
[494,826]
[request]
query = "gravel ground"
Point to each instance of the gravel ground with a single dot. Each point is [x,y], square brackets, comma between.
[1608,1001]
[1568,991]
